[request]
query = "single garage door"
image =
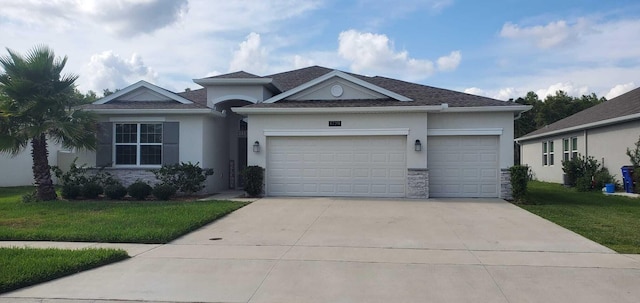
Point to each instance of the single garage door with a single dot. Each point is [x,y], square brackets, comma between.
[463,166]
[336,166]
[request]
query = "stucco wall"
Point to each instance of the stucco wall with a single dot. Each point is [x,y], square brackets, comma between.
[531,155]
[478,120]
[609,145]
[416,122]
[239,92]
[17,171]
[606,144]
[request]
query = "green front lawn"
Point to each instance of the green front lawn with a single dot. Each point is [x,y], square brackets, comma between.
[104,221]
[27,266]
[613,221]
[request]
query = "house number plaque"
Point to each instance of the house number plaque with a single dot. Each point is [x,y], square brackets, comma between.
[335,123]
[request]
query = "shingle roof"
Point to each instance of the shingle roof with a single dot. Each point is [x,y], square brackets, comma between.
[420,94]
[235,75]
[623,105]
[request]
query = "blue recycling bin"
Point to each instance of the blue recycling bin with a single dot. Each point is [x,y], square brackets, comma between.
[627,178]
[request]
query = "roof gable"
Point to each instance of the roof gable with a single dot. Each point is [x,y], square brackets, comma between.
[143,91]
[337,85]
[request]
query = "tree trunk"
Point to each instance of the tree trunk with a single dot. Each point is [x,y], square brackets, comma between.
[41,169]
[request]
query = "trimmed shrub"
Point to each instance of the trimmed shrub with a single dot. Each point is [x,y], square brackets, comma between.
[583,183]
[187,177]
[139,190]
[92,190]
[253,179]
[602,177]
[519,180]
[71,191]
[115,191]
[163,191]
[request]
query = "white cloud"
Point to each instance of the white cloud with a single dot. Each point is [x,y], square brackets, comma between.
[300,62]
[250,56]
[375,54]
[619,90]
[551,35]
[109,70]
[124,17]
[568,87]
[131,17]
[450,62]
[475,91]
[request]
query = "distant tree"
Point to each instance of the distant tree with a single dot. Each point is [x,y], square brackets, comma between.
[37,105]
[106,92]
[554,108]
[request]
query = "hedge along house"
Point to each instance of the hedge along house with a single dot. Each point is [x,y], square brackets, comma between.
[604,131]
[316,132]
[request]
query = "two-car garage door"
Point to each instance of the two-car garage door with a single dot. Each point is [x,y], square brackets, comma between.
[337,166]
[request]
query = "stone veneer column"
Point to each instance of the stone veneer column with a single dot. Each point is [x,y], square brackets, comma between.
[418,183]
[505,184]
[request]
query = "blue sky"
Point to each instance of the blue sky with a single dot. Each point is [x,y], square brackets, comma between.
[501,49]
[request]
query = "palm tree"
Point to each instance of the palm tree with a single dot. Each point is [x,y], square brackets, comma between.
[35,106]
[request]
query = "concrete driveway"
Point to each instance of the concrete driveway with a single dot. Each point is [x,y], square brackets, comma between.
[356,250]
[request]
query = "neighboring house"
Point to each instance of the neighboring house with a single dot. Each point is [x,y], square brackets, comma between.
[604,131]
[316,131]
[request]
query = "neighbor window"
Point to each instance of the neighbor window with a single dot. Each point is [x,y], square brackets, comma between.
[565,149]
[574,147]
[138,144]
[547,153]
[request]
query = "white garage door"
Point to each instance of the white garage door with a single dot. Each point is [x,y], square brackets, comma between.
[336,166]
[463,166]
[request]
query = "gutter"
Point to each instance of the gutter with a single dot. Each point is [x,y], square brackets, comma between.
[201,111]
[377,109]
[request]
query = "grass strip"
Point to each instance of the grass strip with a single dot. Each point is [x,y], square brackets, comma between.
[20,267]
[613,221]
[104,221]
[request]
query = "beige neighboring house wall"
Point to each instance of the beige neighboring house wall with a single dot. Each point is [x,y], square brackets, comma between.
[604,132]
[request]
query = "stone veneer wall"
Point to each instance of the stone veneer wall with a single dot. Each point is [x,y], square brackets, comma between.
[418,183]
[129,175]
[505,184]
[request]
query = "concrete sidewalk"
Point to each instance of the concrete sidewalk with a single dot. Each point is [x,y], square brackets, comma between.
[355,250]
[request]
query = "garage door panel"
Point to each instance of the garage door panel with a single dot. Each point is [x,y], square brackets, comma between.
[337,166]
[463,166]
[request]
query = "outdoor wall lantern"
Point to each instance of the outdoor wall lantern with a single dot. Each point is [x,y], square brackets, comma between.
[418,145]
[256,147]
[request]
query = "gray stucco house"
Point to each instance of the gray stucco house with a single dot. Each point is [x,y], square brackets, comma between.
[316,131]
[604,131]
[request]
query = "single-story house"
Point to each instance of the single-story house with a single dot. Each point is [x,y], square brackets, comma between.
[604,131]
[316,132]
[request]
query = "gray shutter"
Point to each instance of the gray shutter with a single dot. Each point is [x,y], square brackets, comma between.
[104,150]
[170,142]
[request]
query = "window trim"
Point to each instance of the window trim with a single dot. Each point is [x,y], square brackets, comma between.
[574,147]
[548,152]
[566,151]
[138,144]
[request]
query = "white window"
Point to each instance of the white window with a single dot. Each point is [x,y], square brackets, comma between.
[565,149]
[574,147]
[547,153]
[138,144]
